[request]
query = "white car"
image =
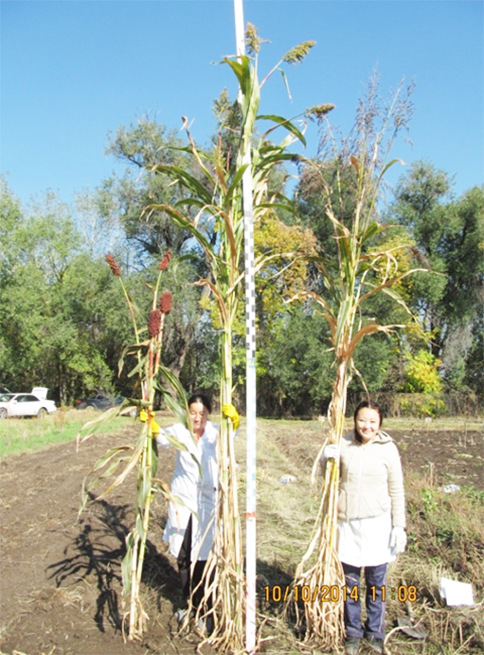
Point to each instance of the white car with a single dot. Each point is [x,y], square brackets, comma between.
[25,404]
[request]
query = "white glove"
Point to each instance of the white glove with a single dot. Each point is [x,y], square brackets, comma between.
[398,540]
[332,451]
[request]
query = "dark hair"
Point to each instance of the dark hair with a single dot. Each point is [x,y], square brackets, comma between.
[201,398]
[370,404]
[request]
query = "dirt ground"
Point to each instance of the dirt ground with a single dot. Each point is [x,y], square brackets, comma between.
[60,576]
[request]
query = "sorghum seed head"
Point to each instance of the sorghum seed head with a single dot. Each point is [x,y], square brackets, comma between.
[113,265]
[165,261]
[154,323]
[165,302]
[298,53]
[252,39]
[319,111]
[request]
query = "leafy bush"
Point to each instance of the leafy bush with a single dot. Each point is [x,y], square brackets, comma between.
[421,374]
[422,404]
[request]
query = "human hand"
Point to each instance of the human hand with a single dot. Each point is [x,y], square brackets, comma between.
[155,428]
[398,540]
[143,415]
[332,451]
[230,412]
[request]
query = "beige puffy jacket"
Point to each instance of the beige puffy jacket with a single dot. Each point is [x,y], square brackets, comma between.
[371,480]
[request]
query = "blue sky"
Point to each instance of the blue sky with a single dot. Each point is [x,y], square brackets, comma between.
[73,71]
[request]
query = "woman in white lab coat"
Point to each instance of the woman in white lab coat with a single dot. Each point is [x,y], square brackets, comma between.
[190,529]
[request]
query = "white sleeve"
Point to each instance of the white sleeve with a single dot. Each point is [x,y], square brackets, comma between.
[162,440]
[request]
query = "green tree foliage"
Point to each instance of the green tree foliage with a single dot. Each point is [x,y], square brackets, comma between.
[59,322]
[449,235]
[294,365]
[420,205]
[473,373]
[464,292]
[141,146]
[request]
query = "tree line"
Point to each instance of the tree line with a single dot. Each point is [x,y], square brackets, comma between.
[64,324]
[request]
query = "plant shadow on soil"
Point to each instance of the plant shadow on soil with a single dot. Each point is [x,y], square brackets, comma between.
[92,554]
[89,555]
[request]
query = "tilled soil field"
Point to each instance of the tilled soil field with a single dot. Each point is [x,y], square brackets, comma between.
[61,589]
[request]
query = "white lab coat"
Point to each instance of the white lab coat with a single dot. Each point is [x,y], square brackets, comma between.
[198,495]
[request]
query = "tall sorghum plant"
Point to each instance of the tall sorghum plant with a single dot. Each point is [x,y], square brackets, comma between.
[212,210]
[143,455]
[360,268]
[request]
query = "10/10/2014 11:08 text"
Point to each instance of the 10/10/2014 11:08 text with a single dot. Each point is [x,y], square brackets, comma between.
[333,594]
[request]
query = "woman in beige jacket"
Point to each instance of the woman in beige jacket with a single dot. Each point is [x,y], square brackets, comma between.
[371,521]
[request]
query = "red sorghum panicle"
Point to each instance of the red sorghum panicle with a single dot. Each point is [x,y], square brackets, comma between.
[165,261]
[113,265]
[154,323]
[165,302]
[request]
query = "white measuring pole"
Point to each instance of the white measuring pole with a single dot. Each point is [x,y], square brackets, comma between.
[250,556]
